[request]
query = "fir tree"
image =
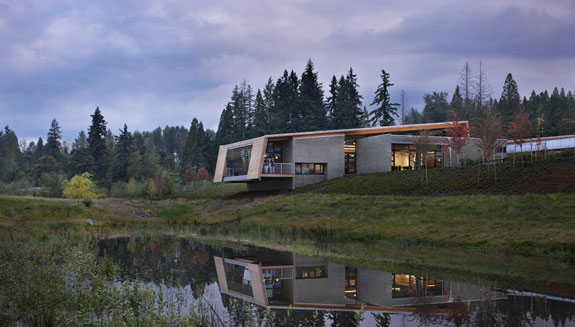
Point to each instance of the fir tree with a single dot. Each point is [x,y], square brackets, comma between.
[194,151]
[510,101]
[384,112]
[311,101]
[80,159]
[40,149]
[97,144]
[261,117]
[457,104]
[224,134]
[122,153]
[9,155]
[436,107]
[54,141]
[331,101]
[348,112]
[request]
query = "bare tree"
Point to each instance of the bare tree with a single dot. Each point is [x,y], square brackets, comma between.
[403,100]
[465,84]
[520,129]
[423,145]
[488,130]
[482,88]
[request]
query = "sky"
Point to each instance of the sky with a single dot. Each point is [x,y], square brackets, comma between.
[150,63]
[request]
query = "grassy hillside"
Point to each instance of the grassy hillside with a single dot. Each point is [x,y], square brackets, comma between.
[547,176]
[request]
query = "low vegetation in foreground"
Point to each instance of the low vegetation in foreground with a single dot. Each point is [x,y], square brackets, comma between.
[50,275]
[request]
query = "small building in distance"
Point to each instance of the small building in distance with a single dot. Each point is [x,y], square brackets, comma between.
[549,143]
[288,161]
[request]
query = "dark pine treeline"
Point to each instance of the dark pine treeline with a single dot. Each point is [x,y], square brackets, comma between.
[550,115]
[176,154]
[292,104]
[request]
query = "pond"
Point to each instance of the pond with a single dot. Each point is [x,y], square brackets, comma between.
[242,285]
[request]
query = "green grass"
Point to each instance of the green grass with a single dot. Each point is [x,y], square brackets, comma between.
[540,177]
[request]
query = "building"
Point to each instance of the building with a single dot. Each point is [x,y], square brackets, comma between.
[288,161]
[549,143]
[276,279]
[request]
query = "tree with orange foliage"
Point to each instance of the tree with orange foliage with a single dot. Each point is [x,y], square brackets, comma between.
[458,135]
[519,129]
[202,175]
[190,175]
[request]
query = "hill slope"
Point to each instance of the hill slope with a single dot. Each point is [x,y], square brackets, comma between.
[547,176]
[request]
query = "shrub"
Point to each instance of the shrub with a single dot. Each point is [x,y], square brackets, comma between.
[53,184]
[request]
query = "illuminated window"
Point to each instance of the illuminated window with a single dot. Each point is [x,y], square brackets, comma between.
[310,169]
[310,272]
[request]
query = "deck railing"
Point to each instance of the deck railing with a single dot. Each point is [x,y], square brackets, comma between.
[278,168]
[229,172]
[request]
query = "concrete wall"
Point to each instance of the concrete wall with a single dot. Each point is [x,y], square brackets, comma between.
[328,149]
[373,154]
[271,184]
[374,287]
[302,180]
[330,290]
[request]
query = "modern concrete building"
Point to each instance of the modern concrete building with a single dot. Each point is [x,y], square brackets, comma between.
[288,161]
[282,279]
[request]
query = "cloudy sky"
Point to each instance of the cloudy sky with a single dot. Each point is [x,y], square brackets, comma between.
[152,63]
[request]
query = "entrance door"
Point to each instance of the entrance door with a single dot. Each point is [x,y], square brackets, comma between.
[350,158]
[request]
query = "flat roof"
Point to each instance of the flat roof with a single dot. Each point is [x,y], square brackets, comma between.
[354,131]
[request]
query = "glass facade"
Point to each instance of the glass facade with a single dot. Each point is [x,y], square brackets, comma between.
[309,168]
[310,272]
[413,286]
[238,161]
[350,156]
[406,157]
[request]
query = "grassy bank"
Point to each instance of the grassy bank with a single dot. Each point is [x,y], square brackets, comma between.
[554,175]
[526,240]
[535,224]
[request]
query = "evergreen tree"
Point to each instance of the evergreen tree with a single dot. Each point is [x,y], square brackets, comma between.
[9,155]
[331,101]
[80,159]
[384,112]
[40,149]
[457,104]
[97,144]
[510,101]
[54,141]
[313,115]
[436,107]
[224,134]
[414,117]
[122,153]
[554,114]
[261,117]
[285,108]
[348,112]
[195,146]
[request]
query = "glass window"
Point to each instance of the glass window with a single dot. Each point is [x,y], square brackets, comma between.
[310,168]
[310,272]
[238,161]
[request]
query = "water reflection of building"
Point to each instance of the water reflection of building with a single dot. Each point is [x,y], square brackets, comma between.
[279,279]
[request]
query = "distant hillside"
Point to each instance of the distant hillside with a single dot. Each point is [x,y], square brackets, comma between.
[556,174]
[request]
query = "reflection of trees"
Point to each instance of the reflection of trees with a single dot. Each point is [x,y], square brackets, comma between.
[170,260]
[345,318]
[458,315]
[425,313]
[486,314]
[382,319]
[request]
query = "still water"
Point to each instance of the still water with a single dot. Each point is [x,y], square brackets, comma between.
[240,283]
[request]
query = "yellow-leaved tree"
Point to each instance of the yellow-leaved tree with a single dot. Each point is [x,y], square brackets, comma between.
[80,187]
